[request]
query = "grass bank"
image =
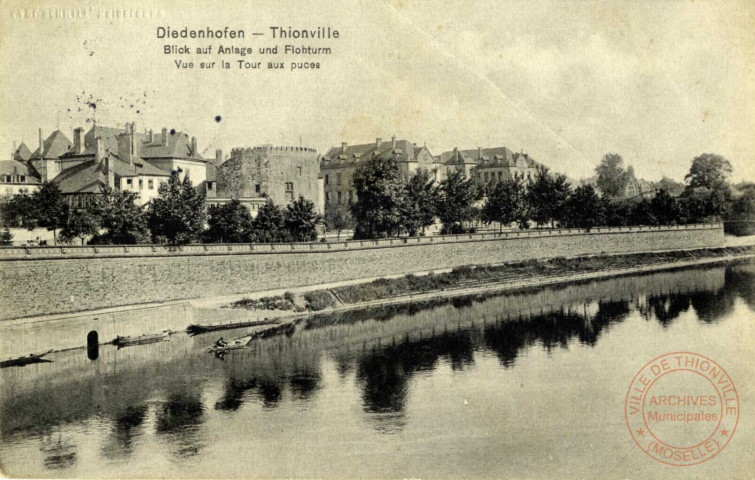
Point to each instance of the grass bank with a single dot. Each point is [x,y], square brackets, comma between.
[476,277]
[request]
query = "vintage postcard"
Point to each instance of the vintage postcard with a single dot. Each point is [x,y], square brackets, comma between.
[377,239]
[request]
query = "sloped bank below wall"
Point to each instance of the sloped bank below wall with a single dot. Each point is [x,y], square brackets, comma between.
[47,280]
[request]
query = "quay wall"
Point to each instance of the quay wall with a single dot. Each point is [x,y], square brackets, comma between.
[51,280]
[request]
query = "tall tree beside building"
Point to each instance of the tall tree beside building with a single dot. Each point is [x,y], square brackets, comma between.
[708,171]
[122,221]
[380,194]
[506,203]
[178,213]
[666,208]
[229,223]
[81,225]
[269,225]
[546,196]
[584,208]
[707,194]
[456,202]
[420,199]
[338,218]
[50,209]
[612,178]
[300,220]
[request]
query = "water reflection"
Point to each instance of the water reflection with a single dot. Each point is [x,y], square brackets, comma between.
[173,392]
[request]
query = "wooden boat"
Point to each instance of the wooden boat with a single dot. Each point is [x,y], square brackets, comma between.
[237,344]
[29,359]
[199,329]
[142,339]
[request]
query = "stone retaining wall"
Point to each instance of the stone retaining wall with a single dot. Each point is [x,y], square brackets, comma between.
[46,280]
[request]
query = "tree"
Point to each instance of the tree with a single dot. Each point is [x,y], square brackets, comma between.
[612,179]
[380,192]
[709,171]
[584,209]
[229,223]
[506,203]
[338,218]
[81,224]
[420,198]
[269,226]
[546,195]
[665,208]
[20,211]
[178,212]
[6,238]
[642,213]
[301,220]
[456,197]
[49,208]
[122,221]
[743,208]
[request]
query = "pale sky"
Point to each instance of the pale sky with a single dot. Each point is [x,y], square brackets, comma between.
[566,81]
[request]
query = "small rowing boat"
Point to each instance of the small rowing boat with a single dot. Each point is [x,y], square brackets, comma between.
[23,361]
[199,329]
[237,344]
[121,342]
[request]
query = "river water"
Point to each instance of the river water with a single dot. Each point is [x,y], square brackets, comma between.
[519,385]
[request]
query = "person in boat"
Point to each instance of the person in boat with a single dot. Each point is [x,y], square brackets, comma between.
[220,343]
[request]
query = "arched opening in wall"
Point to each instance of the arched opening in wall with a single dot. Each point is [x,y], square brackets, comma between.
[93,345]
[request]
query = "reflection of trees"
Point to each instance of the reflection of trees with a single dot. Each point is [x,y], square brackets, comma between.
[741,278]
[384,373]
[552,330]
[58,453]
[178,420]
[665,308]
[125,428]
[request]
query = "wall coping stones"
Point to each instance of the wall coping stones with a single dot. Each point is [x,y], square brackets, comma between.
[104,251]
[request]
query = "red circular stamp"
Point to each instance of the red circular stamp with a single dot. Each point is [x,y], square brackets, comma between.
[682,408]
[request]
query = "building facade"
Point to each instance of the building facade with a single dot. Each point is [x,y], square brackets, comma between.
[487,165]
[17,177]
[339,163]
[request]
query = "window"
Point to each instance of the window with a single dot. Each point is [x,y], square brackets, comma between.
[486,176]
[22,178]
[338,180]
[129,182]
[339,197]
[141,184]
[290,190]
[351,196]
[257,188]
[327,197]
[151,184]
[326,179]
[210,185]
[298,169]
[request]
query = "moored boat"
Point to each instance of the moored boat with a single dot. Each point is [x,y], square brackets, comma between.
[29,359]
[141,339]
[194,329]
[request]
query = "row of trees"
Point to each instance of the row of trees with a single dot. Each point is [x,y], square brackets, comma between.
[178,215]
[388,203]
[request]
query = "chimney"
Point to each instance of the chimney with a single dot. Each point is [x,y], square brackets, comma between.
[165,136]
[393,142]
[218,157]
[378,141]
[479,153]
[78,146]
[149,136]
[99,149]
[193,146]
[41,145]
[343,147]
[110,172]
[125,148]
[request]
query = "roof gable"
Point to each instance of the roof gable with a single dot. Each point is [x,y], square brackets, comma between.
[56,145]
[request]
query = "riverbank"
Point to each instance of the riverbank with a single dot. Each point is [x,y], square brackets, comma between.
[473,281]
